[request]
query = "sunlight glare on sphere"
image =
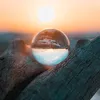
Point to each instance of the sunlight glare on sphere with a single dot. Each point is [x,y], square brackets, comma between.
[50,47]
[46,14]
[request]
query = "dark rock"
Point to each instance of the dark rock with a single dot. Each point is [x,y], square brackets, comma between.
[15,68]
[77,78]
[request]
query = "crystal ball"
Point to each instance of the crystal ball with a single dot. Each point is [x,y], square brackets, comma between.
[50,47]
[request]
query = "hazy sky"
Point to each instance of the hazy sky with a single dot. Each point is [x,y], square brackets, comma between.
[70,15]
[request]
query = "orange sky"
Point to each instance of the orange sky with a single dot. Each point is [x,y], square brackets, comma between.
[70,15]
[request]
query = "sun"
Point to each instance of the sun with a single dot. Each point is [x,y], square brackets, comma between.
[46,14]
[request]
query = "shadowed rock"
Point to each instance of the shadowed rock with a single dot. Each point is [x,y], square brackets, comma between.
[16,67]
[77,78]
[82,42]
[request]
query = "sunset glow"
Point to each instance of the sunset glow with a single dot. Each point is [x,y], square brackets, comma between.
[35,15]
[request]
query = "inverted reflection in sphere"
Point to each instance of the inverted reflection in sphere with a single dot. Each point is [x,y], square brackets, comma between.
[50,47]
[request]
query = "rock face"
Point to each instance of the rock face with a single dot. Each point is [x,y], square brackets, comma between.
[77,78]
[16,67]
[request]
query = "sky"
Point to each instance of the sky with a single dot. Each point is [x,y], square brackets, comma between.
[68,15]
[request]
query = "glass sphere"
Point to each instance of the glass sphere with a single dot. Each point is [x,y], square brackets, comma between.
[50,47]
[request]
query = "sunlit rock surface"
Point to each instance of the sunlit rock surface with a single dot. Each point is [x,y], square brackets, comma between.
[96,96]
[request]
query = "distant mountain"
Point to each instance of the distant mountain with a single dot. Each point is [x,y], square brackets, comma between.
[6,37]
